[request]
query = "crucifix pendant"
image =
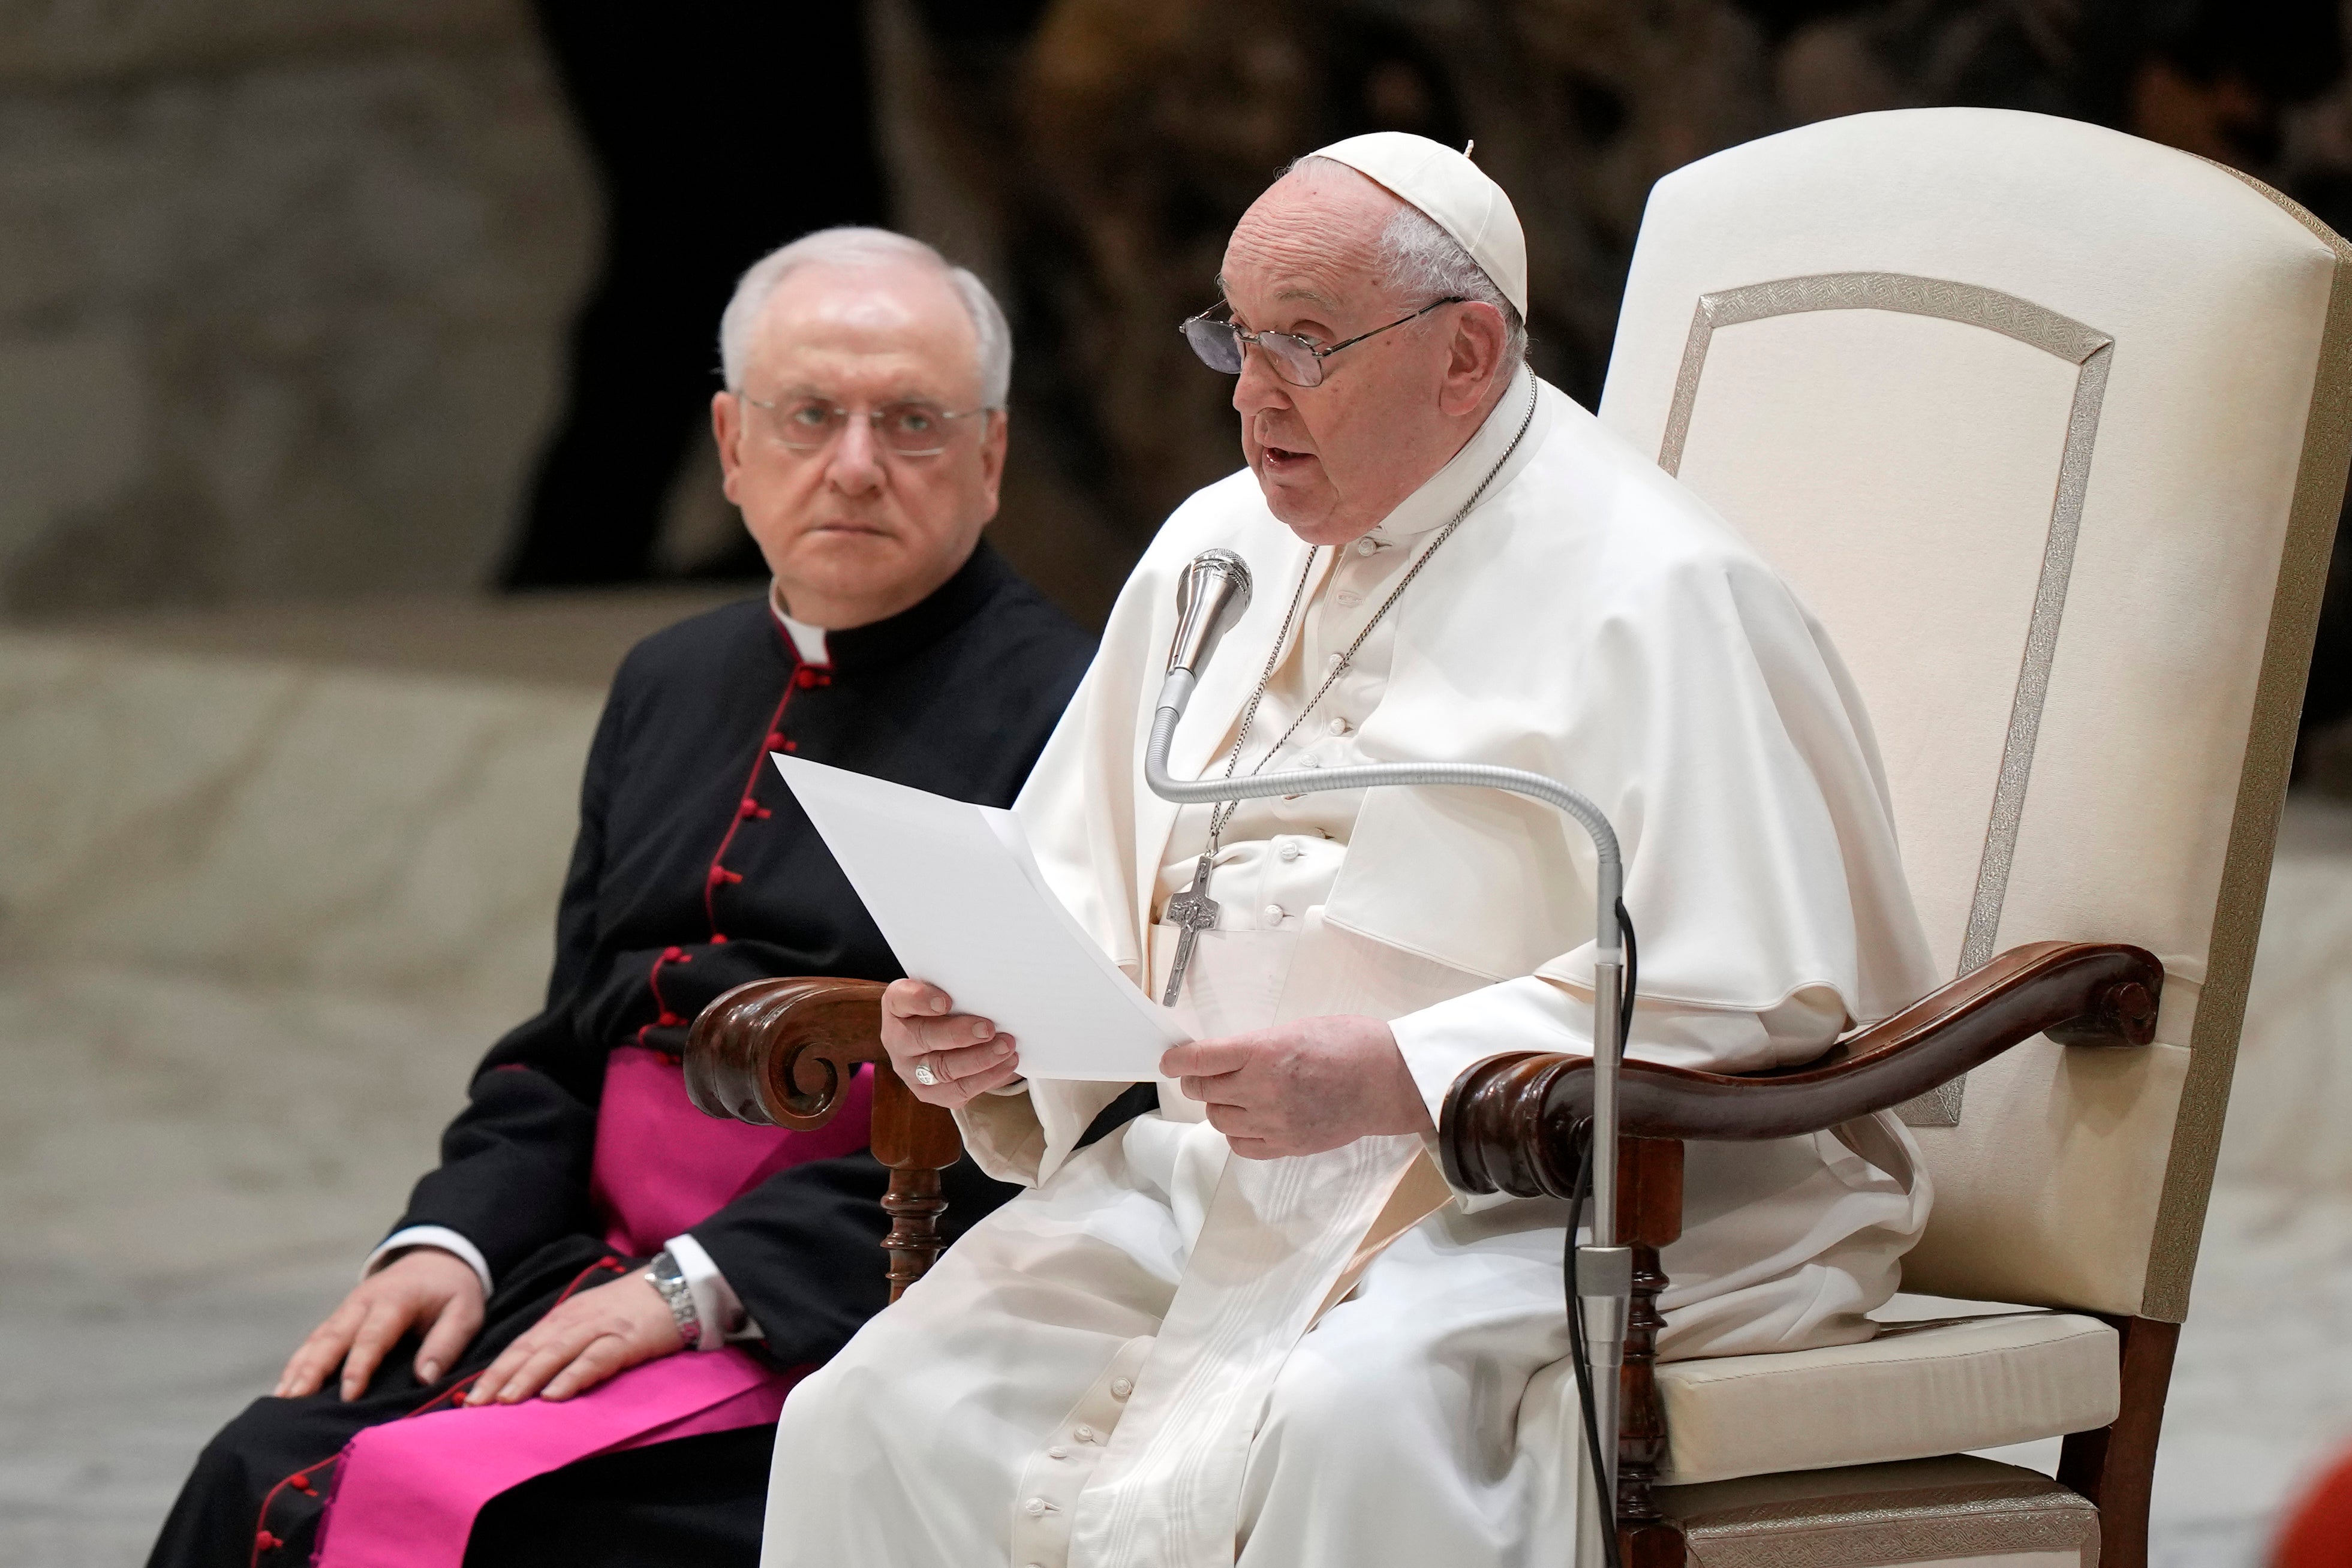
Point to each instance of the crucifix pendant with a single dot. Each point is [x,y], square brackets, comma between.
[1195,912]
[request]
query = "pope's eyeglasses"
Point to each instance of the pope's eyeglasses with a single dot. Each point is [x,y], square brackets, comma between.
[1297,360]
[911,429]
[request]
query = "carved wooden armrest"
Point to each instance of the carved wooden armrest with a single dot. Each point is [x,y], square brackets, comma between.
[1511,1124]
[1508,1122]
[779,1053]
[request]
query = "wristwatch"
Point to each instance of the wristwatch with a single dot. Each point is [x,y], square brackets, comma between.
[664,1275]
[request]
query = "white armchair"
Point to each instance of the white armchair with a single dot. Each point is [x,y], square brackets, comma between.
[2048,426]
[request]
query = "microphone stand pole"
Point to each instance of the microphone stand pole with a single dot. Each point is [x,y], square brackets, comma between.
[1604,1270]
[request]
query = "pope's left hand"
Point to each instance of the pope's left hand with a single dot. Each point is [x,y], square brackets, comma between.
[1302,1087]
[581,1342]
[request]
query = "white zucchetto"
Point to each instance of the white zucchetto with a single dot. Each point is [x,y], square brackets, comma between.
[1453,192]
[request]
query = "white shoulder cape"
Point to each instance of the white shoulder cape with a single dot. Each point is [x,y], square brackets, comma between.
[1590,619]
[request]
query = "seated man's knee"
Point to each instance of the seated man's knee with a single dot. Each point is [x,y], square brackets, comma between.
[265,1442]
[1337,1395]
[866,1371]
[257,1434]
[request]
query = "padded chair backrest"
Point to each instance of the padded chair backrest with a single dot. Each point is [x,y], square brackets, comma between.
[2048,425]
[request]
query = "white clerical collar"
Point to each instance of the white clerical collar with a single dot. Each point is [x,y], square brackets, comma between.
[808,640]
[1443,495]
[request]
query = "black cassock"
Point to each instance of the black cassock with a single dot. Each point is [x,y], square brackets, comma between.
[695,871]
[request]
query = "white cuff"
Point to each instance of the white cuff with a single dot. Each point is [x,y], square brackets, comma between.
[715,1302]
[440,1236]
[1441,1042]
[1533,1013]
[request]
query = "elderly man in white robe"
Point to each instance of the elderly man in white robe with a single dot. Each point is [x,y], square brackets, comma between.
[1253,1325]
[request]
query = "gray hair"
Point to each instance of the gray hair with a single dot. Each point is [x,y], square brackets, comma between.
[850,247]
[1421,260]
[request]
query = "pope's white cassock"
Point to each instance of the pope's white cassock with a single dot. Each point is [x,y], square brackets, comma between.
[1165,1355]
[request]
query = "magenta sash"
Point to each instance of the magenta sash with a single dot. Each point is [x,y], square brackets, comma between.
[407,1492]
[663,1168]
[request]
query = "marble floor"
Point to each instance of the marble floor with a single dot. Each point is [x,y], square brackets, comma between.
[186,1169]
[195,1146]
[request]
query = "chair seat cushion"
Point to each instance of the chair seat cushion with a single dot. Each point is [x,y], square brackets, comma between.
[1920,1389]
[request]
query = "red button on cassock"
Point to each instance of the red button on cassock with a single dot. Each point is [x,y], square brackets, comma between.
[776,742]
[670,1017]
[672,955]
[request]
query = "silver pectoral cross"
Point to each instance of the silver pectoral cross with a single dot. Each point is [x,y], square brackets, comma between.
[1195,912]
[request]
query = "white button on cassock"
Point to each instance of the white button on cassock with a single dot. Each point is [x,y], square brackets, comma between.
[1055,1476]
[1366,546]
[1273,917]
[1289,850]
[1337,727]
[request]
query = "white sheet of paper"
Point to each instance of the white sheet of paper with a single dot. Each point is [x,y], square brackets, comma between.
[961,901]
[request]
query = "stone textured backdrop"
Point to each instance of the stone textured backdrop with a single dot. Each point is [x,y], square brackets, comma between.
[284,284]
[282,290]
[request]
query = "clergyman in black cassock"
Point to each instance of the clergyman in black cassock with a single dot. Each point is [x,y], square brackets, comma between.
[694,870]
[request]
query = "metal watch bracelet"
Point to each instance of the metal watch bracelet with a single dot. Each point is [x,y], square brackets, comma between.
[664,1276]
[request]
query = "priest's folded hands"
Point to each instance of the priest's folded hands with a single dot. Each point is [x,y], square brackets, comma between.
[1298,1088]
[427,1288]
[578,1345]
[582,1340]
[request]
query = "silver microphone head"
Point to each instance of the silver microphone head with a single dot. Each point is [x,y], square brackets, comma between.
[1209,597]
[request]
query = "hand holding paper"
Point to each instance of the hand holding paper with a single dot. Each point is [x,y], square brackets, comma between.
[961,902]
[946,1058]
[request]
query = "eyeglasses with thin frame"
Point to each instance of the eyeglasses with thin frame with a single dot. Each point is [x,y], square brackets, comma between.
[1297,360]
[909,429]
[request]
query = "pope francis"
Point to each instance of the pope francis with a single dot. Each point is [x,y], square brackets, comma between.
[1251,1325]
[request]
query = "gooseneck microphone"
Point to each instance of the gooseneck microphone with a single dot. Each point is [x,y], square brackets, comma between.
[1209,598]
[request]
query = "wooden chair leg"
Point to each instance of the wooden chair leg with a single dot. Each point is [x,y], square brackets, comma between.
[1649,1216]
[916,1142]
[2115,1467]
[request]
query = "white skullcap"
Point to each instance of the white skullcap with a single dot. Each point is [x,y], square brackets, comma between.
[1453,192]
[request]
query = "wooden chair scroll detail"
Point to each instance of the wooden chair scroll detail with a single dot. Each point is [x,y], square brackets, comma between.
[1514,1123]
[778,1053]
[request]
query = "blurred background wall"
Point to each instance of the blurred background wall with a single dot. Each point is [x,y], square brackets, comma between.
[328,299]
[281,289]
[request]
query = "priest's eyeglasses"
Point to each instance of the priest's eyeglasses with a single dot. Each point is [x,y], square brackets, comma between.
[1297,360]
[911,429]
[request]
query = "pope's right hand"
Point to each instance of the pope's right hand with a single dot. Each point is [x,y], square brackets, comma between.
[426,1288]
[962,1055]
